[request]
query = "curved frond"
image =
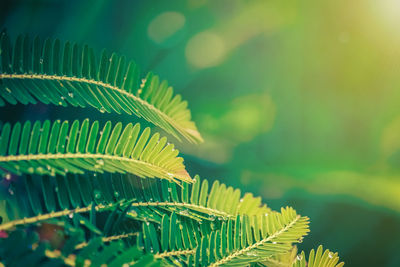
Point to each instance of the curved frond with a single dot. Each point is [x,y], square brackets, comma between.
[149,199]
[60,148]
[68,74]
[243,242]
[235,243]
[319,258]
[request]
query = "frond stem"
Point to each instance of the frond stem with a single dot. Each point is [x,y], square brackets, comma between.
[97,83]
[159,169]
[174,253]
[99,207]
[108,239]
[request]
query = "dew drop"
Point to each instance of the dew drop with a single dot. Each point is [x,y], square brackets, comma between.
[71,95]
[133,213]
[97,194]
[116,194]
[100,162]
[241,200]
[8,176]
[330,255]
[251,253]
[299,257]
[62,97]
[41,61]
[71,215]
[274,242]
[102,110]
[184,212]
[11,191]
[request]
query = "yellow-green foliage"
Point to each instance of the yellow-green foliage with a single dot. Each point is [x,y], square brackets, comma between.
[91,186]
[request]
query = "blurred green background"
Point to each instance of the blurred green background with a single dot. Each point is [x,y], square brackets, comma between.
[298,101]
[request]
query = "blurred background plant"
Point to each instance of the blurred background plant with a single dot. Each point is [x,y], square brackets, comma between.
[298,101]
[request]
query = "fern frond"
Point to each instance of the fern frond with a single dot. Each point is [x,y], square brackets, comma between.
[320,258]
[50,149]
[29,251]
[53,197]
[244,242]
[67,74]
[235,243]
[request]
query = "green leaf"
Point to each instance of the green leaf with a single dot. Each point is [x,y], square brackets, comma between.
[65,153]
[65,74]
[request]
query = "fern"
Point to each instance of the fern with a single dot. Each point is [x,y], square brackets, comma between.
[58,149]
[56,197]
[31,252]
[68,74]
[94,186]
[238,241]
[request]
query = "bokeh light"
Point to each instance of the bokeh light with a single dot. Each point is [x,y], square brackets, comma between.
[165,26]
[205,49]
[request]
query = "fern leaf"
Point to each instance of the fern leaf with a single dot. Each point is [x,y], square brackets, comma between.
[67,74]
[319,258]
[29,251]
[233,244]
[277,230]
[50,149]
[149,199]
